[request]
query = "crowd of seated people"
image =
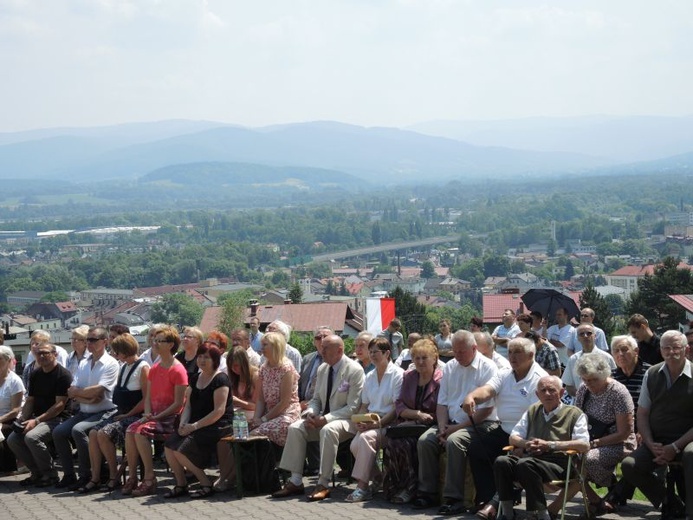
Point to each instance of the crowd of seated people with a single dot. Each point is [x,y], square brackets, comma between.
[183,391]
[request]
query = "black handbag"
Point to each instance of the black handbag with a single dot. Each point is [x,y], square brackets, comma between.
[596,428]
[405,430]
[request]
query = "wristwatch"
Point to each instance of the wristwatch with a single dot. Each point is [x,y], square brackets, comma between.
[552,446]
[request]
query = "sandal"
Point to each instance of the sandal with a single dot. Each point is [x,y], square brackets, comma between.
[88,487]
[177,491]
[403,497]
[146,487]
[203,492]
[111,485]
[130,486]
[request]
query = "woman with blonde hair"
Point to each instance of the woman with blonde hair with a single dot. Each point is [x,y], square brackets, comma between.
[277,404]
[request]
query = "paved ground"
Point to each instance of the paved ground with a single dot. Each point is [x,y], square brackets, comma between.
[20,503]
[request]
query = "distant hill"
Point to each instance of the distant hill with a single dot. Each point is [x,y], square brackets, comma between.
[225,174]
[619,139]
[387,154]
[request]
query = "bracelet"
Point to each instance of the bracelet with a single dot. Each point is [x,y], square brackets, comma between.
[676,448]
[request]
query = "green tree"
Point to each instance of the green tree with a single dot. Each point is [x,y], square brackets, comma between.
[295,293]
[428,270]
[233,308]
[410,312]
[652,297]
[603,318]
[56,296]
[177,308]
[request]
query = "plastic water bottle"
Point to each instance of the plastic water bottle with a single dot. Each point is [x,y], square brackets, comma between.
[243,426]
[236,426]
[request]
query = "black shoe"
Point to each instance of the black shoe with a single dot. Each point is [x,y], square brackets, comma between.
[66,481]
[452,508]
[29,481]
[81,482]
[47,482]
[423,502]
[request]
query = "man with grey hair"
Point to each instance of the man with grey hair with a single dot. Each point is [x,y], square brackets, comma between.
[486,345]
[326,419]
[512,392]
[574,345]
[292,353]
[456,429]
[586,334]
[544,432]
[43,410]
[665,422]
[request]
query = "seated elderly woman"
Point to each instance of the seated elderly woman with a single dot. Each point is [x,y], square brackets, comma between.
[11,401]
[609,410]
[206,418]
[128,396]
[381,389]
[164,399]
[415,411]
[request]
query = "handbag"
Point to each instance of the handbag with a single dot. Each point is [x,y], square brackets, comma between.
[400,431]
[596,428]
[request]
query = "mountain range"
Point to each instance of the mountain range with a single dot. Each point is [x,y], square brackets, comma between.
[428,152]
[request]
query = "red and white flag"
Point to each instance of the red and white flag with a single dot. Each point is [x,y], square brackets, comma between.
[379,313]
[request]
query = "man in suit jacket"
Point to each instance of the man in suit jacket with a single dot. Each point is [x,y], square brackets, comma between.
[326,419]
[309,367]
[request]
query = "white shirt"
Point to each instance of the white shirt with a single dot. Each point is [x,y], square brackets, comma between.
[580,430]
[599,340]
[501,362]
[147,356]
[380,397]
[514,397]
[561,334]
[459,380]
[13,385]
[61,354]
[104,373]
[570,375]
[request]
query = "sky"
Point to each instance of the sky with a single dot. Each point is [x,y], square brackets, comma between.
[364,62]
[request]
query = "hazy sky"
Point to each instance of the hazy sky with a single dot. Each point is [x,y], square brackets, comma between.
[367,62]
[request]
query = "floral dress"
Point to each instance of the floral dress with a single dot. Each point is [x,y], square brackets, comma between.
[276,429]
[615,400]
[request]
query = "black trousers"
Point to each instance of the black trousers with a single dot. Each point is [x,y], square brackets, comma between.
[482,453]
[531,473]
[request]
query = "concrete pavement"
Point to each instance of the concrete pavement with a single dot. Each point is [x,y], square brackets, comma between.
[21,503]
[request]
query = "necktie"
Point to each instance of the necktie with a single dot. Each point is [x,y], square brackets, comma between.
[330,375]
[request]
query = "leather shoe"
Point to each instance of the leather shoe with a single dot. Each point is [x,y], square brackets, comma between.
[452,508]
[424,502]
[487,512]
[288,490]
[319,493]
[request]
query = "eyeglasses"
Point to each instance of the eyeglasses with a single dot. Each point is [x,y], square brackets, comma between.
[188,337]
[94,340]
[160,341]
[672,349]
[45,353]
[585,333]
[585,315]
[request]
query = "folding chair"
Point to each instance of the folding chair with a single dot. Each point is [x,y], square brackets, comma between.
[567,487]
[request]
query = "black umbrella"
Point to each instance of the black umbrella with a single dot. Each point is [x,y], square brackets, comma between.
[548,301]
